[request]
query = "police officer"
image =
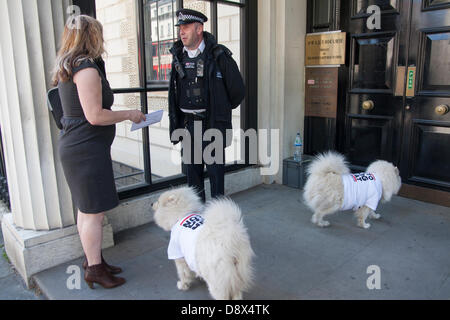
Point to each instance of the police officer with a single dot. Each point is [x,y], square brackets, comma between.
[205,86]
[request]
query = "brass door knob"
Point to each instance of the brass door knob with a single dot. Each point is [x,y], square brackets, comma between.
[368,105]
[442,110]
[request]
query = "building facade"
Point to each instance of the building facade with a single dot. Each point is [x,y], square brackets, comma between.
[268,41]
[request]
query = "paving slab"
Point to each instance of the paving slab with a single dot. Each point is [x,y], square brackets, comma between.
[12,286]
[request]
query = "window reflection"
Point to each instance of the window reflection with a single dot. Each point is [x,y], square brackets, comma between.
[133,158]
[160,35]
[165,157]
[127,149]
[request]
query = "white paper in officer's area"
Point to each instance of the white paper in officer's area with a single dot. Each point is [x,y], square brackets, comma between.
[152,118]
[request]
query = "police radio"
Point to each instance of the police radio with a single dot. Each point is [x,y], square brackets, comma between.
[179,67]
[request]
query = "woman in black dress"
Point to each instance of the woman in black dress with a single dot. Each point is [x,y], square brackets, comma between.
[86,139]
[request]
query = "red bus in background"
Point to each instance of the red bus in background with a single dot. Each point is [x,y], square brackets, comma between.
[161,60]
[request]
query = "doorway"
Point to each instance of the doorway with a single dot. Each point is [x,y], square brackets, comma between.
[394,95]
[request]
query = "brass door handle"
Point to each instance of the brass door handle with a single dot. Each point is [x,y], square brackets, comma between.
[368,105]
[442,110]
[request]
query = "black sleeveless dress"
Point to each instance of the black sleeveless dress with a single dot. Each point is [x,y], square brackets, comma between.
[85,150]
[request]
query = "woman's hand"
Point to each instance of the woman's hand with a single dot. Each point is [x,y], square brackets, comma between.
[136,116]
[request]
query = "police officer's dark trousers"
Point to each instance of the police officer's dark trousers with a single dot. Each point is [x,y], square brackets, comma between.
[195,170]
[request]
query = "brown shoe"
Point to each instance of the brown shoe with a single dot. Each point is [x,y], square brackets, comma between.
[111,269]
[99,274]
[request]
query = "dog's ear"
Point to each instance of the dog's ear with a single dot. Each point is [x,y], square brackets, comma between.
[172,199]
[397,171]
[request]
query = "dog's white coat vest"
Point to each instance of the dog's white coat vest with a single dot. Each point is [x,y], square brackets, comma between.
[362,189]
[183,239]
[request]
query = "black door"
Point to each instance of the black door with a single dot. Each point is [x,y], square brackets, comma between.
[426,147]
[399,89]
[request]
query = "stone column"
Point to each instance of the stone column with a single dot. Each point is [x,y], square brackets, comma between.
[40,232]
[281,52]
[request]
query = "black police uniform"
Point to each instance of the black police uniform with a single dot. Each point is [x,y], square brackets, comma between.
[211,82]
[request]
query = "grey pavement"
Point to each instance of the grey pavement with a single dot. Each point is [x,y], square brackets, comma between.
[12,286]
[295,260]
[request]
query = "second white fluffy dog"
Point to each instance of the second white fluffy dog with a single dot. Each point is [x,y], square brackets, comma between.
[330,188]
[209,242]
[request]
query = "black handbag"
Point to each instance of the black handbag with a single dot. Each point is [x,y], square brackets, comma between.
[54,101]
[55,107]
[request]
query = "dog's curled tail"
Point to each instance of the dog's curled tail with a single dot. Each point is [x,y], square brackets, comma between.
[329,163]
[224,218]
[228,209]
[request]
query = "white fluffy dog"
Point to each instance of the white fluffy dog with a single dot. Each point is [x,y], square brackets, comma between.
[331,187]
[210,242]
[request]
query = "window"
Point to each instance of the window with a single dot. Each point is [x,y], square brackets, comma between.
[120,20]
[138,36]
[229,34]
[159,63]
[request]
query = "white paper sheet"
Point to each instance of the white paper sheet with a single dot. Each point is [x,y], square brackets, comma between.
[152,118]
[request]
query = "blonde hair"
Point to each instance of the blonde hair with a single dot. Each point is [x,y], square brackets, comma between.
[82,39]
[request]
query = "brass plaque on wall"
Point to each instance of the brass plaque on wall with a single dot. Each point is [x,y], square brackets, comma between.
[321,92]
[325,48]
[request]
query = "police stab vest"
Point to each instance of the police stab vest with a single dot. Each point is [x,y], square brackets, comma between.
[194,85]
